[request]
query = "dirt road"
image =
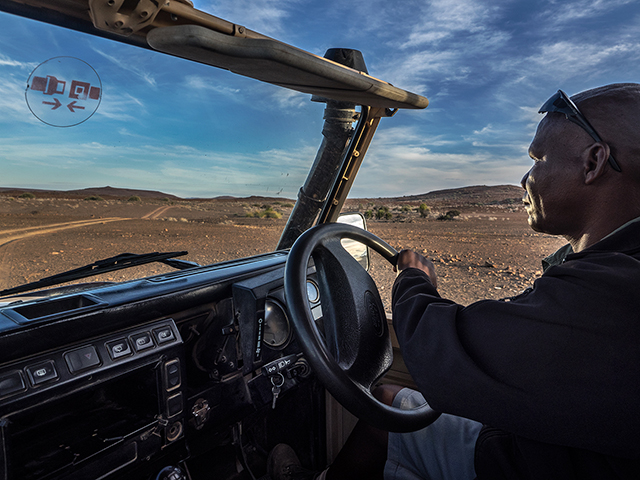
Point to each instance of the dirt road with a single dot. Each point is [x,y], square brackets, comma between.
[11,235]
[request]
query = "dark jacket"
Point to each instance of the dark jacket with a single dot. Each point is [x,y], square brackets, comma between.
[555,371]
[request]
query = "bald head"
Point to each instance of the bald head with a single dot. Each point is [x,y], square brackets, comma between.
[614,111]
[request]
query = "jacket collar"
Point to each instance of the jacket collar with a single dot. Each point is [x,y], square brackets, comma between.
[625,239]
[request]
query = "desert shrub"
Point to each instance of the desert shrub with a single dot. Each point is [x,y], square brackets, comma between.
[27,195]
[424,210]
[368,214]
[133,198]
[272,214]
[405,208]
[267,212]
[164,199]
[94,198]
[388,216]
[381,212]
[450,215]
[287,205]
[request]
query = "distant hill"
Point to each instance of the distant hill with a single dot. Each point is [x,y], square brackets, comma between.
[476,194]
[481,194]
[122,192]
[104,192]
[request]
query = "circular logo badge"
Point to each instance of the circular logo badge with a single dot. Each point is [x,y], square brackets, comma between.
[63,91]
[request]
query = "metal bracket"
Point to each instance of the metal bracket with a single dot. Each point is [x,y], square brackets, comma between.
[366,128]
[124,17]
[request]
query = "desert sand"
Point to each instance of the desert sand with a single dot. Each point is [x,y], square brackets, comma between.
[488,251]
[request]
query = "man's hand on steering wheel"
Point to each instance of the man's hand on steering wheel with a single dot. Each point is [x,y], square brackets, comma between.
[411,259]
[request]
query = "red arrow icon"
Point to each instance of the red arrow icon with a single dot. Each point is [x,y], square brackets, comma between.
[73,105]
[55,105]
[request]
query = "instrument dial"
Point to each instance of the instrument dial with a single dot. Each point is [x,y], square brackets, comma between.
[277,329]
[313,294]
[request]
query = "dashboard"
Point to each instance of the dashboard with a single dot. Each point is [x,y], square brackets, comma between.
[124,380]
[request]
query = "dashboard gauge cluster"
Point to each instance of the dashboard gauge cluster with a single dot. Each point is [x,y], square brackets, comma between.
[266,331]
[277,326]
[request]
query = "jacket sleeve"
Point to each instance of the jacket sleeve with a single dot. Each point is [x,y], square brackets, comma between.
[538,366]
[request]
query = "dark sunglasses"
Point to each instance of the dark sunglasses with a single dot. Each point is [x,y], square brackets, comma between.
[561,103]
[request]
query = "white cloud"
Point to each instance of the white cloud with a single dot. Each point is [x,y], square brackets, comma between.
[122,108]
[9,62]
[14,75]
[130,66]
[286,98]
[12,100]
[402,161]
[563,11]
[410,171]
[197,82]
[266,17]
[566,60]
[441,19]
[442,42]
[183,170]
[502,136]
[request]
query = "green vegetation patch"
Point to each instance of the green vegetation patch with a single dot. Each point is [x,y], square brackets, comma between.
[266,212]
[424,210]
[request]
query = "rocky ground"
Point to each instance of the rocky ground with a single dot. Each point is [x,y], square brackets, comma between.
[487,251]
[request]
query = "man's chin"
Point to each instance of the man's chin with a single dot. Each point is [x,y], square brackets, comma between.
[534,225]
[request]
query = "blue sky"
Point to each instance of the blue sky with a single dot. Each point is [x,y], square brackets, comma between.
[195,131]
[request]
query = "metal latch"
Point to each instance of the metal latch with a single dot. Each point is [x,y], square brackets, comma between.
[200,412]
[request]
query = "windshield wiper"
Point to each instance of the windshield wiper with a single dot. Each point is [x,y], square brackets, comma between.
[124,260]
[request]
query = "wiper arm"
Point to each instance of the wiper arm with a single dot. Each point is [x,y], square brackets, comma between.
[124,260]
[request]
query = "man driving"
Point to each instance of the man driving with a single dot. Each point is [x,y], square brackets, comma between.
[543,385]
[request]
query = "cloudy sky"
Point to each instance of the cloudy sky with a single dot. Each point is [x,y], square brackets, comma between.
[196,131]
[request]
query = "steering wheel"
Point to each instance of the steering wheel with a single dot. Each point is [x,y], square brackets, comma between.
[351,349]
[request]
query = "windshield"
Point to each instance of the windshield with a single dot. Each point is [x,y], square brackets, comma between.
[109,148]
[156,154]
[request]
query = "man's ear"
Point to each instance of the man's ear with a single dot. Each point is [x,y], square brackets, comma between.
[595,161]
